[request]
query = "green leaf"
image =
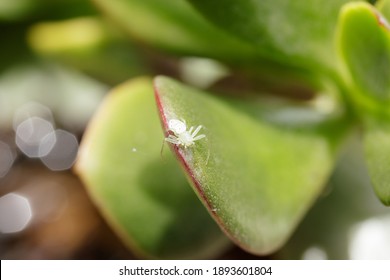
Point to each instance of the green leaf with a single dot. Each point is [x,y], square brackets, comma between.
[142,194]
[301,31]
[256,171]
[174,26]
[377,150]
[335,223]
[364,44]
[25,10]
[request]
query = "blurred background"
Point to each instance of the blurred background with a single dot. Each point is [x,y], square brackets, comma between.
[58,58]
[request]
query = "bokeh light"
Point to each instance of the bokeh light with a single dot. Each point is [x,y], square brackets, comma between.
[15,213]
[29,135]
[314,253]
[370,239]
[31,109]
[202,72]
[62,147]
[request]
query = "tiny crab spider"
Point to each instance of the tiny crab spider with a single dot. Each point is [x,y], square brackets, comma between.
[182,137]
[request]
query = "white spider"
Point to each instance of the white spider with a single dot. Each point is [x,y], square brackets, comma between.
[182,137]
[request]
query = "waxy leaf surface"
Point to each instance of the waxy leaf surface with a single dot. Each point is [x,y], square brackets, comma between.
[364,44]
[377,150]
[300,31]
[141,193]
[257,172]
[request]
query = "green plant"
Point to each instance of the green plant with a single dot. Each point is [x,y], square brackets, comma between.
[265,158]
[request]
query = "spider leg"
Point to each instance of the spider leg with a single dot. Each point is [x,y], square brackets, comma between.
[184,121]
[162,148]
[199,137]
[191,129]
[196,131]
[172,139]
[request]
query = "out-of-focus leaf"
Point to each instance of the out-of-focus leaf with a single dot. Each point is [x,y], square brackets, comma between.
[377,150]
[174,26]
[14,49]
[19,10]
[364,44]
[329,229]
[87,44]
[11,10]
[52,87]
[384,7]
[142,194]
[256,178]
[301,31]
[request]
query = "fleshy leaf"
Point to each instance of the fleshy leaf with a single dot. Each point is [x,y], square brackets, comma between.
[257,179]
[174,26]
[334,226]
[294,30]
[364,43]
[141,193]
[377,150]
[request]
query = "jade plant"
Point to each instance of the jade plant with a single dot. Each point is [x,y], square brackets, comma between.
[181,169]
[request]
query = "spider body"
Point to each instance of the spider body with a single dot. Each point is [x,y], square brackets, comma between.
[182,137]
